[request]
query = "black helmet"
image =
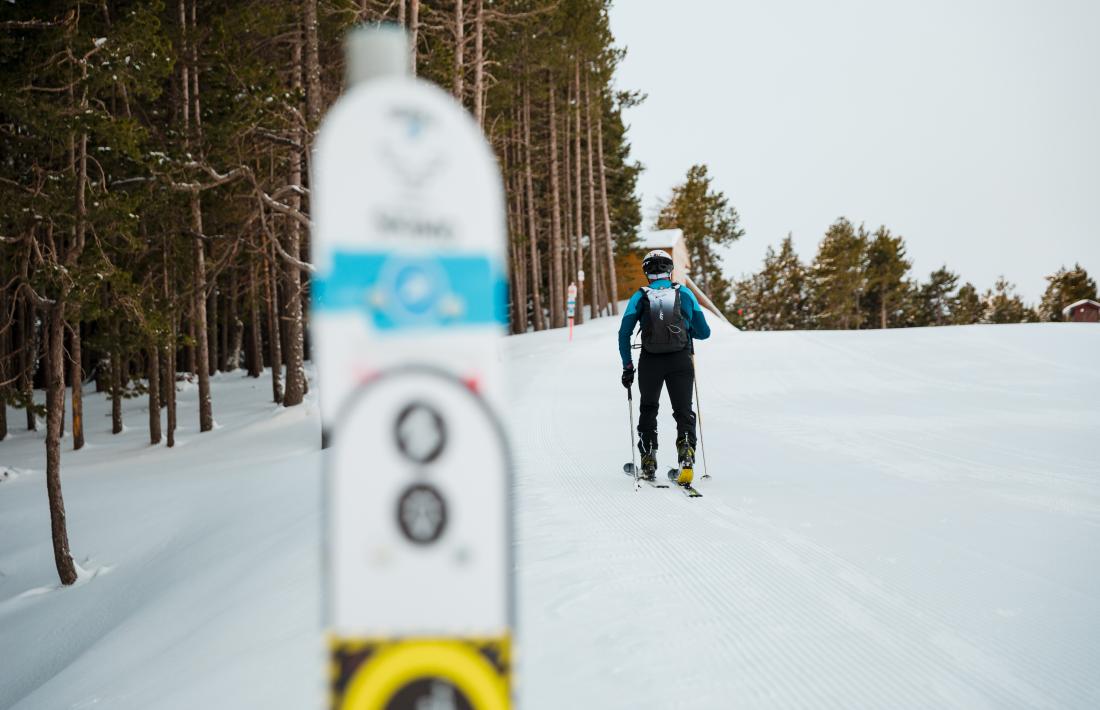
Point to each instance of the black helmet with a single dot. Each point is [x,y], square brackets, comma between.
[657,264]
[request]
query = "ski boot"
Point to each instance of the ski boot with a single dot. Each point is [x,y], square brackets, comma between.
[647,447]
[685,451]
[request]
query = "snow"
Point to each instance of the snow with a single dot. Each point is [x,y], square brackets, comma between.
[661,238]
[896,519]
[200,563]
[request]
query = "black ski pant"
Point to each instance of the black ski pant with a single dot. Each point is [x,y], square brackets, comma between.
[676,372]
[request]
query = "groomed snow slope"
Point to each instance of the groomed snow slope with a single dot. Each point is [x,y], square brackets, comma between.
[895,519]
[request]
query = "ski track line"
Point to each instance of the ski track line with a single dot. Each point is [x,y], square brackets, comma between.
[1071,494]
[780,600]
[641,506]
[837,438]
[795,656]
[887,603]
[999,675]
[852,448]
[846,618]
[1022,658]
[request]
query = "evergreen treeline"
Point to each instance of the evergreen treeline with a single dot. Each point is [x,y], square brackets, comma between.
[155,184]
[708,221]
[861,279]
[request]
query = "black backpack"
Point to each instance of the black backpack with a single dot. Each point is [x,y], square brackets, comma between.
[662,321]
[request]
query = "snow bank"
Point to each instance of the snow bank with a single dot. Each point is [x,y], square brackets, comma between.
[211,598]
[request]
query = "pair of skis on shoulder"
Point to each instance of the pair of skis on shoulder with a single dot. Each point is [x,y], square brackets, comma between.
[673,474]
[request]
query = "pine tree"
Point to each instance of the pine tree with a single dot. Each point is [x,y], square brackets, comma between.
[935,297]
[708,221]
[966,306]
[837,277]
[777,297]
[885,267]
[1063,288]
[1004,305]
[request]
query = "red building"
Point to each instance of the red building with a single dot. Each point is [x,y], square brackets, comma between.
[1083,311]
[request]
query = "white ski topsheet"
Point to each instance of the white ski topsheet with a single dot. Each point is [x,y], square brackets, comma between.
[895,519]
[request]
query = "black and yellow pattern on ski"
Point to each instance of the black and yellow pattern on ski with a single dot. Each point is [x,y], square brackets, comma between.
[396,673]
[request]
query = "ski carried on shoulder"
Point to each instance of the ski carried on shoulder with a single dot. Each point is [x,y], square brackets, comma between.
[682,478]
[631,470]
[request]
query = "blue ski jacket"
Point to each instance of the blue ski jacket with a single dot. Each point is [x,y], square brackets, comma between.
[693,316]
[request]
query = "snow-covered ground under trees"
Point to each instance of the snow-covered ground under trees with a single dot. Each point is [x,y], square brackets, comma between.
[895,519]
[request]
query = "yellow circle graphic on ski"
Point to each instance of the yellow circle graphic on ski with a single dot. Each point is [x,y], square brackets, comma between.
[410,669]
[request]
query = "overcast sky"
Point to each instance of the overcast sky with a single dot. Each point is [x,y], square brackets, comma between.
[970,127]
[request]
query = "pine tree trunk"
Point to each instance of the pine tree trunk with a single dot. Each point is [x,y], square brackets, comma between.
[295,355]
[77,377]
[519,264]
[256,357]
[579,200]
[196,112]
[313,63]
[4,350]
[77,373]
[234,321]
[414,29]
[170,374]
[164,380]
[521,279]
[515,286]
[459,86]
[479,63]
[55,398]
[532,224]
[153,370]
[224,332]
[612,277]
[273,326]
[30,362]
[401,12]
[557,296]
[213,338]
[568,226]
[598,302]
[167,376]
[202,356]
[116,388]
[185,80]
[62,384]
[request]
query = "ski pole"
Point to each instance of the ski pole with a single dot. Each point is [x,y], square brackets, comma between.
[699,406]
[630,406]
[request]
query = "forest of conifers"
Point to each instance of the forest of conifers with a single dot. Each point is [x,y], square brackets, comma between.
[156,197]
[156,178]
[861,279]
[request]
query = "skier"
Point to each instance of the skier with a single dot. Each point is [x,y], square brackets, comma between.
[670,319]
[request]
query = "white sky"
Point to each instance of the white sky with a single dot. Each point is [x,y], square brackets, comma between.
[970,127]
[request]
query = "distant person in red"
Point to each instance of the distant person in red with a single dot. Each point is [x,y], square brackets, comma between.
[671,319]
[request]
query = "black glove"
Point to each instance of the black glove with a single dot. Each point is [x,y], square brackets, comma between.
[628,375]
